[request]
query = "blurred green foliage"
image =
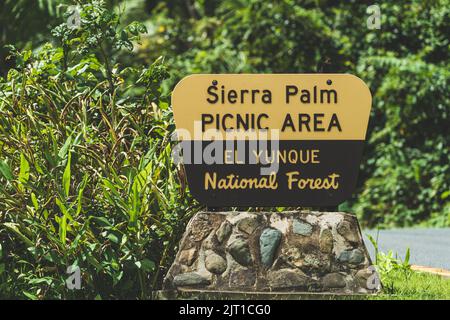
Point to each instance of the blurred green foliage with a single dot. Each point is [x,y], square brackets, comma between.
[405,175]
[86,174]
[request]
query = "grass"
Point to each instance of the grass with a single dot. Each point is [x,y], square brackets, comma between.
[413,285]
[400,282]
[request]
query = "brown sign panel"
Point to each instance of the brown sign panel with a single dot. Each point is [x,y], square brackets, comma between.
[271,139]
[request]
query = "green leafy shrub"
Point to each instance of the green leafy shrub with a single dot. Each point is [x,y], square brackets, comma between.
[386,263]
[86,175]
[390,268]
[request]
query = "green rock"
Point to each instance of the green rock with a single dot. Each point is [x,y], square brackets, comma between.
[268,243]
[355,256]
[240,251]
[189,279]
[345,256]
[224,231]
[302,228]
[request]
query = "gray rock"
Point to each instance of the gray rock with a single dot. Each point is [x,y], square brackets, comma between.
[311,260]
[301,228]
[291,256]
[189,279]
[240,251]
[215,263]
[201,227]
[249,224]
[349,231]
[333,280]
[368,279]
[210,242]
[288,279]
[315,262]
[268,244]
[224,231]
[242,278]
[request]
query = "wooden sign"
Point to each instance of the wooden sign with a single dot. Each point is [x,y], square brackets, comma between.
[271,139]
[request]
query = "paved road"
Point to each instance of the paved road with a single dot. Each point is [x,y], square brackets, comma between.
[429,247]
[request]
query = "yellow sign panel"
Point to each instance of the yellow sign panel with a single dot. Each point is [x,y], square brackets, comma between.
[300,106]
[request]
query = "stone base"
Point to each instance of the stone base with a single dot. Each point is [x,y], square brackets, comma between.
[297,251]
[196,294]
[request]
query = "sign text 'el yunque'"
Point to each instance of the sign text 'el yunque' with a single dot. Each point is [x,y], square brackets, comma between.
[271,139]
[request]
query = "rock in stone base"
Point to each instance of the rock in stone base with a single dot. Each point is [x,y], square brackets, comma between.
[296,251]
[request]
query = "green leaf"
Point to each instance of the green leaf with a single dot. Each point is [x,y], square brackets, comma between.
[46,280]
[14,227]
[407,257]
[80,194]
[63,209]
[30,295]
[94,262]
[6,170]
[34,201]
[102,222]
[146,265]
[445,195]
[38,168]
[58,55]
[113,237]
[24,173]
[62,221]
[124,35]
[63,151]
[66,176]
[26,55]
[63,229]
